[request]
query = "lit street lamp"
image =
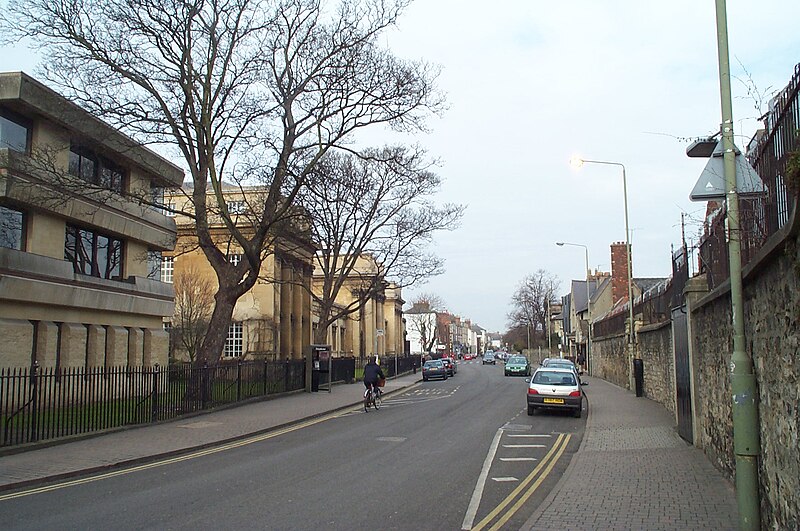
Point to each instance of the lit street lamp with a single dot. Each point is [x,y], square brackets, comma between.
[577,163]
[588,303]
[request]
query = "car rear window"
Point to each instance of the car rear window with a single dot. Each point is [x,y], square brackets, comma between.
[553,378]
[436,363]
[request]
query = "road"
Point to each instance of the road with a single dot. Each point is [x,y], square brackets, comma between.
[454,454]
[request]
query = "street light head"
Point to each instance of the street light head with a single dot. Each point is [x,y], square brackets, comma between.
[576,162]
[560,244]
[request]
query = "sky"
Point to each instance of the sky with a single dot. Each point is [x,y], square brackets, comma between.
[531,84]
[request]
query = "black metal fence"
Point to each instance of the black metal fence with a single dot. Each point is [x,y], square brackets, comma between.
[762,216]
[47,403]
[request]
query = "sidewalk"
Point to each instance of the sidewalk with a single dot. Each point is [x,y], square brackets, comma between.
[147,443]
[632,471]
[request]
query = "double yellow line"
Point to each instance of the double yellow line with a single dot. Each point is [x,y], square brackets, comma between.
[523,490]
[156,464]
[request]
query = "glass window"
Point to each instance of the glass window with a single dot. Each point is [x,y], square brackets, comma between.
[93,253]
[233,343]
[237,207]
[154,265]
[11,228]
[88,166]
[167,268]
[14,133]
[234,259]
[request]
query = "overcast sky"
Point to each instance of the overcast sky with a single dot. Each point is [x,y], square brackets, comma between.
[532,83]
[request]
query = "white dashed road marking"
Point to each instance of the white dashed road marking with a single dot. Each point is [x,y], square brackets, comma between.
[524,446]
[503,480]
[518,459]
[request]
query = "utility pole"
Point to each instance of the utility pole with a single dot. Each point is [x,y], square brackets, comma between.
[746,443]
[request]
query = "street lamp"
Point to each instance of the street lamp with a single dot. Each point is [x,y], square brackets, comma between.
[588,302]
[577,163]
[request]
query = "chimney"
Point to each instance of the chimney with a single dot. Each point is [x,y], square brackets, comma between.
[619,272]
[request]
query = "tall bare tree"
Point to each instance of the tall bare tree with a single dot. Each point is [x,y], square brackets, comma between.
[530,301]
[377,204]
[421,319]
[245,91]
[194,304]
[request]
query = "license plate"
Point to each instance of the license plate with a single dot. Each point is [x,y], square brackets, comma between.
[553,400]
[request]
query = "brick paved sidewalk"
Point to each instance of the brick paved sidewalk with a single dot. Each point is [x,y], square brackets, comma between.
[633,471]
[146,443]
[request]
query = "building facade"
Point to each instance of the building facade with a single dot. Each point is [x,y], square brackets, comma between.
[77,237]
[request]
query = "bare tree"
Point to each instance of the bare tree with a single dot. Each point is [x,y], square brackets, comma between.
[194,304]
[530,302]
[375,209]
[421,319]
[246,91]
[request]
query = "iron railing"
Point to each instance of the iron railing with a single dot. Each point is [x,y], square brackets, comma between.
[47,403]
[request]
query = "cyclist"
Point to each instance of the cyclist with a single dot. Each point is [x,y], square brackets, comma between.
[372,373]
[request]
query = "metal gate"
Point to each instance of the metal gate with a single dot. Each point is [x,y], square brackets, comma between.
[683,399]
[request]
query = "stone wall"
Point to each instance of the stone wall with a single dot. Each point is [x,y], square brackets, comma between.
[654,347]
[609,359]
[772,333]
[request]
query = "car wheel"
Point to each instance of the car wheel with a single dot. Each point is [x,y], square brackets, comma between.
[424,379]
[531,411]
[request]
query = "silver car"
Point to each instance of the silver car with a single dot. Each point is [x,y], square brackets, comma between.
[555,388]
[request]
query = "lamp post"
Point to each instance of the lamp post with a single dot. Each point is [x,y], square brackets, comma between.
[578,162]
[588,303]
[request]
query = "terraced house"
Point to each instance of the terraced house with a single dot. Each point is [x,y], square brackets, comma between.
[81,234]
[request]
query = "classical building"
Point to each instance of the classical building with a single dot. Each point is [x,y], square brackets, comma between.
[378,327]
[76,237]
[273,319]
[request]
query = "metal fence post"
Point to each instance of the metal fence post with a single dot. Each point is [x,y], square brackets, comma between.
[32,430]
[265,376]
[286,376]
[204,385]
[154,399]
[238,380]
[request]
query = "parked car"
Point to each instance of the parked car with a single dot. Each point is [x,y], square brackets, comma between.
[489,358]
[450,366]
[433,369]
[555,388]
[517,365]
[563,364]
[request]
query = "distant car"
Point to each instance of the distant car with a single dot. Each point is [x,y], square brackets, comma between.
[489,358]
[434,369]
[555,388]
[517,365]
[562,363]
[450,366]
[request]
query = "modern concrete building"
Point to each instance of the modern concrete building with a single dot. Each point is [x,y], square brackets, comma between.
[76,238]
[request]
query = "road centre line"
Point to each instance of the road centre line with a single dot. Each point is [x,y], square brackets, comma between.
[505,479]
[475,501]
[518,459]
[529,435]
[524,446]
[545,466]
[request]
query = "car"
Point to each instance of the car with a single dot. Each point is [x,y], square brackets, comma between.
[562,363]
[489,358]
[450,366]
[433,369]
[517,365]
[555,388]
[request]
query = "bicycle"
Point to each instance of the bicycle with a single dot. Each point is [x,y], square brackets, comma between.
[372,397]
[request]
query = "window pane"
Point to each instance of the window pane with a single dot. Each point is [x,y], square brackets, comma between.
[10,228]
[154,265]
[233,343]
[13,135]
[166,269]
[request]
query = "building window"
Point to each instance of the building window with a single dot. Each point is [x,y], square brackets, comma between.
[154,260]
[234,259]
[96,170]
[170,210]
[93,253]
[11,224]
[237,207]
[167,268]
[233,343]
[15,133]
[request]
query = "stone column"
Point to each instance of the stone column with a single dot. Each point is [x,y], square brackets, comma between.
[155,347]
[17,344]
[95,346]
[380,323]
[297,316]
[135,347]
[46,343]
[116,346]
[285,338]
[73,345]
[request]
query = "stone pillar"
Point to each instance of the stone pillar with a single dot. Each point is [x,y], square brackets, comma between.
[695,289]
[135,347]
[297,316]
[306,312]
[95,346]
[380,324]
[73,345]
[116,346]
[17,344]
[155,347]
[46,343]
[285,338]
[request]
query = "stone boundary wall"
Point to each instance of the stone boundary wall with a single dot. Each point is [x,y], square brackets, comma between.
[655,349]
[609,359]
[772,333]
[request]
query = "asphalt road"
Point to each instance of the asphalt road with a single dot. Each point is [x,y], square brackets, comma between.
[460,453]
